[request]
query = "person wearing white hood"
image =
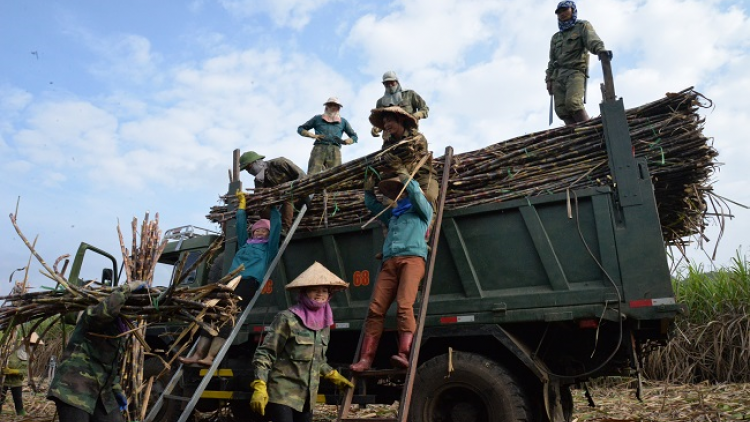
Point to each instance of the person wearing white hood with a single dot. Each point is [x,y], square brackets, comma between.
[395,95]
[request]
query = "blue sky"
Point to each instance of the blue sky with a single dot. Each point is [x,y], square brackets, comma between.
[112,109]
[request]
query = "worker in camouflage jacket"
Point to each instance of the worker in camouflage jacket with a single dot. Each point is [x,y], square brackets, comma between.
[329,128]
[270,173]
[406,147]
[292,357]
[395,96]
[567,69]
[14,372]
[86,386]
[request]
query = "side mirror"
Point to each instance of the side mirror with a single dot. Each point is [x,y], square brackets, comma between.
[107,277]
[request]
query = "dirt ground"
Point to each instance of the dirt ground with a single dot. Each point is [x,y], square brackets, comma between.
[661,402]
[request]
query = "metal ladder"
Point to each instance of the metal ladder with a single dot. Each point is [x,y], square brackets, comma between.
[411,371]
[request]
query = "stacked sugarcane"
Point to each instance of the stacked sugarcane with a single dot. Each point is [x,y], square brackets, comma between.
[206,307]
[668,133]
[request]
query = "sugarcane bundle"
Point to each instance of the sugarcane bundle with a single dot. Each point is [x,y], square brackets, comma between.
[207,307]
[668,133]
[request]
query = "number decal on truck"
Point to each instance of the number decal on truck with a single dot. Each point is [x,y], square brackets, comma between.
[268,288]
[361,278]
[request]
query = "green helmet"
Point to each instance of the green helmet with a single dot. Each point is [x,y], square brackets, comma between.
[248,158]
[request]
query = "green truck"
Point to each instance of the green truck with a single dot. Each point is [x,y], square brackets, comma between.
[529,298]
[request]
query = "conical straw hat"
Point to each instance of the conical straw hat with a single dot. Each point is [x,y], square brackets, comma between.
[317,275]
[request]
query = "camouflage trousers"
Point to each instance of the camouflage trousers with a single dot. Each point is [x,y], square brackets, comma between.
[323,157]
[70,413]
[568,89]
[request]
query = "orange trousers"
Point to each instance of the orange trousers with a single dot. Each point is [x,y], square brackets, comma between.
[398,280]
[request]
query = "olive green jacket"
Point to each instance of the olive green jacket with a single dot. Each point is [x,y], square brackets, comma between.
[569,49]
[18,360]
[291,360]
[411,102]
[280,170]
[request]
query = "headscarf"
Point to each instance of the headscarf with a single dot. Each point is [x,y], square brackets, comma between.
[402,205]
[260,224]
[392,95]
[331,116]
[314,315]
[565,25]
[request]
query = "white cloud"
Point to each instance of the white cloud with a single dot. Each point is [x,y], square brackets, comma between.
[284,13]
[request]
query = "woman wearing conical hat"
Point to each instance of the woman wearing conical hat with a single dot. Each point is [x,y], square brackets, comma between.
[292,357]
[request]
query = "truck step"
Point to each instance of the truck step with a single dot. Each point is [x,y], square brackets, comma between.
[379,373]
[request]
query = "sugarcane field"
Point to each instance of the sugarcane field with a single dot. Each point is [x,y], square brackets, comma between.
[387,211]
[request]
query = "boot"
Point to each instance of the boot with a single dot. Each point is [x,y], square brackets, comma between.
[216,344]
[367,354]
[200,351]
[580,115]
[401,360]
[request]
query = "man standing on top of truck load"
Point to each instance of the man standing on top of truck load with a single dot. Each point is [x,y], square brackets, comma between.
[86,387]
[567,70]
[404,255]
[329,128]
[407,99]
[403,127]
[272,173]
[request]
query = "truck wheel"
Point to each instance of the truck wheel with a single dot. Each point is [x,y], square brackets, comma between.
[217,269]
[478,390]
[170,409]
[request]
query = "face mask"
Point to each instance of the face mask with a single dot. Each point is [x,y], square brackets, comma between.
[257,167]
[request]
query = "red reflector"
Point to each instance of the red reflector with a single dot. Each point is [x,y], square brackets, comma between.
[588,323]
[258,329]
[449,320]
[642,303]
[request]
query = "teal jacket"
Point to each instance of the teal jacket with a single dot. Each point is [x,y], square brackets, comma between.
[256,256]
[333,131]
[406,233]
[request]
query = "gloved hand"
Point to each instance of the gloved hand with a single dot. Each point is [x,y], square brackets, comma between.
[370,183]
[11,371]
[136,285]
[260,397]
[606,53]
[549,87]
[307,200]
[307,133]
[241,198]
[319,136]
[348,141]
[121,400]
[339,380]
[419,115]
[375,132]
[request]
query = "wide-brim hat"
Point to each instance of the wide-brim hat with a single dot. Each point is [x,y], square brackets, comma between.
[390,188]
[317,275]
[334,100]
[35,339]
[377,114]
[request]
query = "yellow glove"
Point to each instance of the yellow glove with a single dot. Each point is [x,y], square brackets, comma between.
[339,380]
[241,197]
[11,371]
[260,397]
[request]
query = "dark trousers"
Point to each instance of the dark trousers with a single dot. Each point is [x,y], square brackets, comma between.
[280,413]
[17,393]
[246,290]
[68,413]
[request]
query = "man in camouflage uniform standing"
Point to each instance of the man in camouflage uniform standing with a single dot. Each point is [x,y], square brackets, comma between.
[270,173]
[329,128]
[568,62]
[86,387]
[394,95]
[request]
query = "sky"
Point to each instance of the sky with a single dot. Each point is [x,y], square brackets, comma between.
[109,110]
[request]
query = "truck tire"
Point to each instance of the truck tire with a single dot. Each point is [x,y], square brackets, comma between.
[170,410]
[478,390]
[217,269]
